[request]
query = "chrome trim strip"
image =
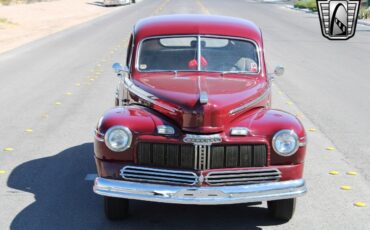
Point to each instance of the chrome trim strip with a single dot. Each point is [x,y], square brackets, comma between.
[97,134]
[242,176]
[202,139]
[145,174]
[203,97]
[195,156]
[130,86]
[211,195]
[208,157]
[199,58]
[251,103]
[251,175]
[202,156]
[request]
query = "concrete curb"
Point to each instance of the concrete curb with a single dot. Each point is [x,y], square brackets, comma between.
[359,21]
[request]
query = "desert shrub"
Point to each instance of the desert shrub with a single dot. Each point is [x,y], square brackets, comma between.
[5,2]
[308,4]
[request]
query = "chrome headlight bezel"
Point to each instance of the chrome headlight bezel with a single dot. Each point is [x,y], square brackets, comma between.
[111,131]
[292,135]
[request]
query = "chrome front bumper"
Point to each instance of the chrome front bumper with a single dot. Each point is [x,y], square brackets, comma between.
[211,195]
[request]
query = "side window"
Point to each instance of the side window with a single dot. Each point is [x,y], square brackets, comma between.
[129,51]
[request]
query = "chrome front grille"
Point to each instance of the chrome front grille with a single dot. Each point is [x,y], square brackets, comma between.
[242,177]
[201,156]
[144,174]
[218,178]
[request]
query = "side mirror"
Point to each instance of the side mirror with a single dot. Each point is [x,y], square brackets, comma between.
[118,69]
[279,70]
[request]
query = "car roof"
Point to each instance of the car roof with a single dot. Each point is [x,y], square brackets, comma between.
[196,24]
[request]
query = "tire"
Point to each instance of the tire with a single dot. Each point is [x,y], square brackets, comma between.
[115,208]
[282,209]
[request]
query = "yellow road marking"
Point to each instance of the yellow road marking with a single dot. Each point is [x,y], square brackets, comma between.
[359,204]
[352,173]
[333,172]
[312,129]
[345,187]
[8,149]
[28,130]
[68,93]
[2,171]
[289,103]
[57,103]
[330,148]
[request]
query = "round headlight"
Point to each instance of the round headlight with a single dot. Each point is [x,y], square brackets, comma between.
[285,142]
[118,138]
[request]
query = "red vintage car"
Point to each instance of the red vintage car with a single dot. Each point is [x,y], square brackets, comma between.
[193,123]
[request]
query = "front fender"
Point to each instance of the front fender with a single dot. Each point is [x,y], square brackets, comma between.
[264,122]
[140,120]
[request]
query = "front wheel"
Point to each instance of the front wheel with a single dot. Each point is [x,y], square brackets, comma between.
[282,209]
[115,208]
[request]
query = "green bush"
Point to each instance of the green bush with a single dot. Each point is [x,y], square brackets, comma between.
[308,4]
[364,13]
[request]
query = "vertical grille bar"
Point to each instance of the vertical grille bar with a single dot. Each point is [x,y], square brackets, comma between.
[201,157]
[218,157]
[158,154]
[144,153]
[208,156]
[232,153]
[259,155]
[173,155]
[246,155]
[196,156]
[187,156]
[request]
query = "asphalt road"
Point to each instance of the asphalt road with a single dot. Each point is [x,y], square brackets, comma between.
[60,85]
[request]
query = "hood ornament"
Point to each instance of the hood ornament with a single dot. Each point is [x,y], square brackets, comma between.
[203,98]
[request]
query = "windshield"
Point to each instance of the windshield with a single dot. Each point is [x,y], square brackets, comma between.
[198,53]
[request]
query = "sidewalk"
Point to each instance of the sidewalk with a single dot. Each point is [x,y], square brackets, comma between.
[20,24]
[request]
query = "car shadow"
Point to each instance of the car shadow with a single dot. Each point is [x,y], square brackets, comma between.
[65,200]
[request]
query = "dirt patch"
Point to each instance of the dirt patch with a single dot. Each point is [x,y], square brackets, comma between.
[22,23]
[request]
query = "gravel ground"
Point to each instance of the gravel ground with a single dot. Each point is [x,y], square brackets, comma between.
[22,23]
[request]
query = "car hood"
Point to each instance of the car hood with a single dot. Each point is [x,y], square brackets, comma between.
[203,102]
